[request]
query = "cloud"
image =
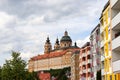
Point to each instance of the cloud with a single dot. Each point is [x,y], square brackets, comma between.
[80,43]
[25,24]
[5,19]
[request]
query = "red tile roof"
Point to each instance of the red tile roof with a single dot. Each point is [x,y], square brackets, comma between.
[52,54]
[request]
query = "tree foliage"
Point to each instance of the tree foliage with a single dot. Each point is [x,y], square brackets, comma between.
[0,73]
[60,74]
[15,69]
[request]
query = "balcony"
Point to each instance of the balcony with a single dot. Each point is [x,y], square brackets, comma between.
[89,61]
[79,64]
[102,43]
[97,50]
[80,72]
[115,3]
[88,52]
[80,56]
[89,70]
[116,66]
[116,43]
[103,72]
[84,70]
[84,63]
[109,37]
[101,29]
[102,58]
[89,78]
[83,54]
[116,22]
[97,38]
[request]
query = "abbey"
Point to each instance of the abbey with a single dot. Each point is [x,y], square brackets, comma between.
[57,58]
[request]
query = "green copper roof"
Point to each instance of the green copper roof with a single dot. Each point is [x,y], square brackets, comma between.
[66,38]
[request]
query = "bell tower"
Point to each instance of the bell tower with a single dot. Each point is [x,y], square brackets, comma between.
[47,46]
[57,45]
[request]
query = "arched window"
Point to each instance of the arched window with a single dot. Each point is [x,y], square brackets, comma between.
[65,45]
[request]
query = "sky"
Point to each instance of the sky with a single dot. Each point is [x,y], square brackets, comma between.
[25,24]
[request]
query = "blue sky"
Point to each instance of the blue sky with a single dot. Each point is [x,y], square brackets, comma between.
[25,24]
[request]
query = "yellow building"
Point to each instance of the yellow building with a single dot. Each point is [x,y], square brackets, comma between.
[106,51]
[57,58]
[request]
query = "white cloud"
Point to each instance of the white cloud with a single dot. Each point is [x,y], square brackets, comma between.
[35,20]
[25,24]
[5,19]
[80,43]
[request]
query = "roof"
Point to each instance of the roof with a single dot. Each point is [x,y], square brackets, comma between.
[95,28]
[86,44]
[106,5]
[53,54]
[66,38]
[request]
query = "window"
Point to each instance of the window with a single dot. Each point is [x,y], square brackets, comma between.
[65,45]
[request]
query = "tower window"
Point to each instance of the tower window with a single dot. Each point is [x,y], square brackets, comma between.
[65,44]
[48,49]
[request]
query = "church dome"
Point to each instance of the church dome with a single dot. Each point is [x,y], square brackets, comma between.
[66,37]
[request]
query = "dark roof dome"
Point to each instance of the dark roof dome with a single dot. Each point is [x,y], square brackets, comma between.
[66,37]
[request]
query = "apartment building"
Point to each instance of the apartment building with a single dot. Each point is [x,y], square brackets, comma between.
[105,45]
[85,62]
[115,24]
[95,52]
[75,65]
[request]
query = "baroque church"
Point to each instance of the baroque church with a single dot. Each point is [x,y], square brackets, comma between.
[57,58]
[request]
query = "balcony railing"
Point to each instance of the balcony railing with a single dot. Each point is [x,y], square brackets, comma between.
[89,70]
[84,63]
[103,72]
[113,2]
[83,54]
[89,61]
[84,70]
[116,66]
[102,43]
[116,43]
[88,52]
[116,20]
[101,29]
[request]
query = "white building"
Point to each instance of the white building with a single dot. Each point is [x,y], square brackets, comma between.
[115,24]
[95,51]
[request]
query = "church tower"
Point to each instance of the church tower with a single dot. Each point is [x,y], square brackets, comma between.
[47,46]
[65,41]
[57,45]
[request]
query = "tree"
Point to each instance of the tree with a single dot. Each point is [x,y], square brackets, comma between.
[0,72]
[31,76]
[15,69]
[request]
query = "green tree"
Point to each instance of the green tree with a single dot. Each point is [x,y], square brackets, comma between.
[31,76]
[15,69]
[0,72]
